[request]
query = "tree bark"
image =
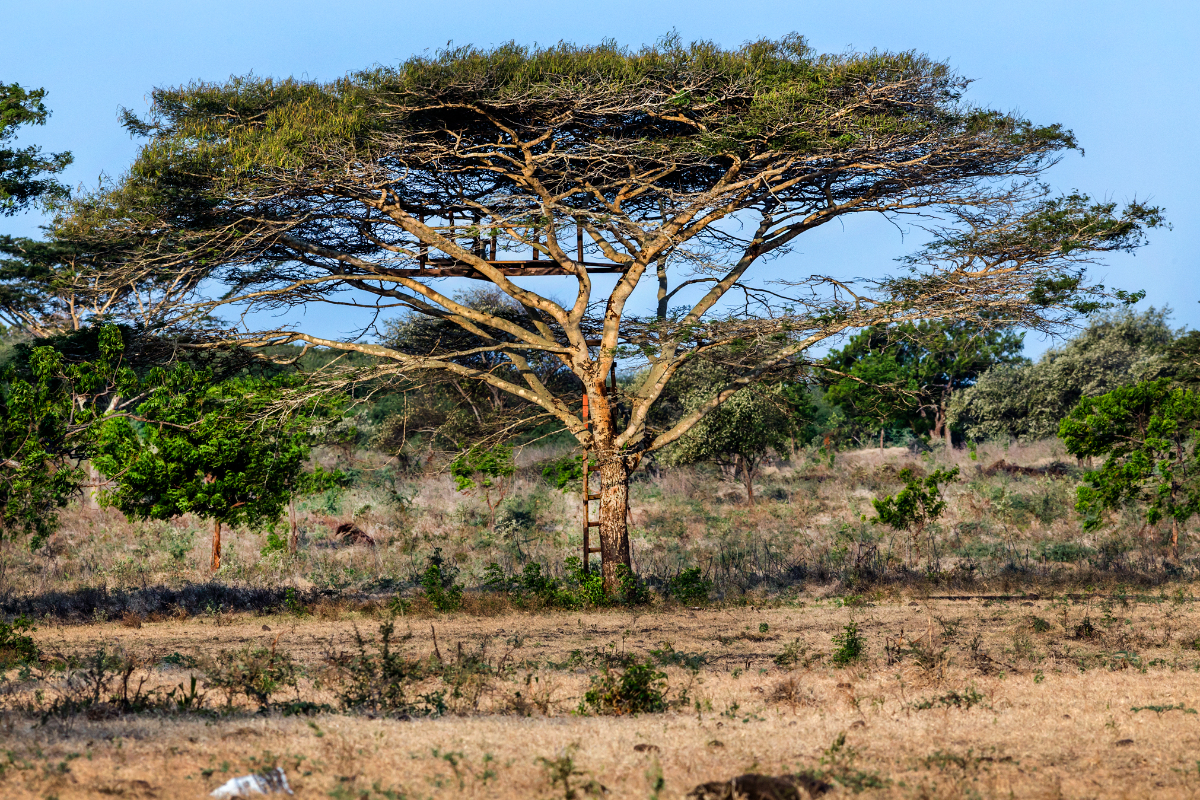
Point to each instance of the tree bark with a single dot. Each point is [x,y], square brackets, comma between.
[944,412]
[216,550]
[614,527]
[294,539]
[747,478]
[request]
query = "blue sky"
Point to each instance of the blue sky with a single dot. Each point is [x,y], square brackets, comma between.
[1118,73]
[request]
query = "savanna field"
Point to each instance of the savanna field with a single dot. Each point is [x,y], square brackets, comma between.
[1001,653]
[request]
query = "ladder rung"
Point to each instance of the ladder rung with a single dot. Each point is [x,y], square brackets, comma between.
[593,550]
[595,524]
[593,467]
[592,497]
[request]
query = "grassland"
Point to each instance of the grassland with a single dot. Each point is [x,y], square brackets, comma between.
[950,698]
[1002,654]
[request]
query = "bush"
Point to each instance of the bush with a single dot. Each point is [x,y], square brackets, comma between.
[589,585]
[256,673]
[16,646]
[438,583]
[689,586]
[380,681]
[637,689]
[850,645]
[276,543]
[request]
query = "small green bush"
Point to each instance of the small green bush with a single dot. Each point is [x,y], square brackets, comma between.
[276,543]
[638,688]
[850,645]
[16,646]
[257,673]
[438,583]
[689,586]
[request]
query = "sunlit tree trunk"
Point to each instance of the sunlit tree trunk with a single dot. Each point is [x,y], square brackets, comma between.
[615,468]
[216,548]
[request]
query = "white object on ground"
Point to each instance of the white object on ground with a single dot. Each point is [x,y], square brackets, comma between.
[273,782]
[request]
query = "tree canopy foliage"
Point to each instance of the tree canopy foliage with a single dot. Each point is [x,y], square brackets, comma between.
[1148,435]
[1028,401]
[908,374]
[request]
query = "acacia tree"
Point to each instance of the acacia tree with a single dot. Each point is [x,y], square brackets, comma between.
[682,167]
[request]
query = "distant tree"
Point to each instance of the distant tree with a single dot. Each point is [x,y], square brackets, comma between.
[909,373]
[486,470]
[25,172]
[1148,434]
[743,430]
[210,449]
[1029,401]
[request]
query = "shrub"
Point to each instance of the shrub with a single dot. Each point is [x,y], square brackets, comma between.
[589,585]
[438,583]
[256,673]
[380,681]
[689,586]
[639,688]
[850,645]
[16,646]
[276,543]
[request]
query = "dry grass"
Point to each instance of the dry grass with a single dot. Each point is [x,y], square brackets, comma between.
[1006,694]
[953,699]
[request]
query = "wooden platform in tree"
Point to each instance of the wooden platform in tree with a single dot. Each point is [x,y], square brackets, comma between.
[451,268]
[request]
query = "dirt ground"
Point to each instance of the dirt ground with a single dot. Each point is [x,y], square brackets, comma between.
[974,698]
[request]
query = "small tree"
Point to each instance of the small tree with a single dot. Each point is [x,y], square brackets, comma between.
[919,503]
[206,449]
[486,470]
[1148,434]
[743,430]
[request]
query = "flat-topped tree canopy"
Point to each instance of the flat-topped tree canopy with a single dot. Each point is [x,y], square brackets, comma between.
[680,165]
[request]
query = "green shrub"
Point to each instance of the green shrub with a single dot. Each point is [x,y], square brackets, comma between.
[850,645]
[276,543]
[16,646]
[638,688]
[377,680]
[256,673]
[689,586]
[589,585]
[438,583]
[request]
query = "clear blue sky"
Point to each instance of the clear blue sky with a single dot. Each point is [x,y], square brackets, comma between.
[1120,74]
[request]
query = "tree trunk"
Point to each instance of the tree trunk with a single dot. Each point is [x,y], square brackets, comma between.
[944,412]
[1174,539]
[216,553]
[294,539]
[614,527]
[747,478]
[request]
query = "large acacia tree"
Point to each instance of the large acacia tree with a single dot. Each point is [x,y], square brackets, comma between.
[681,167]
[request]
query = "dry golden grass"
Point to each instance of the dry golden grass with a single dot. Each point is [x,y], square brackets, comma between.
[1051,715]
